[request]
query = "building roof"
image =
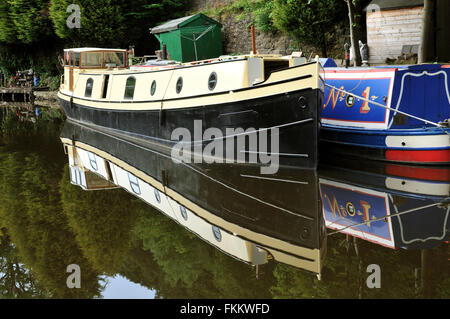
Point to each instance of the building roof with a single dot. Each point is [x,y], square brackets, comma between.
[177,23]
[395,4]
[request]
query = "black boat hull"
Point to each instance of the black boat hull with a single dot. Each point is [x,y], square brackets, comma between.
[293,114]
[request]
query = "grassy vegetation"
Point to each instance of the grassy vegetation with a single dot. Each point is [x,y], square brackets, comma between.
[259,12]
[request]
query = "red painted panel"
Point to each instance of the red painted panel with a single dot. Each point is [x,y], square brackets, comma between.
[437,156]
[423,173]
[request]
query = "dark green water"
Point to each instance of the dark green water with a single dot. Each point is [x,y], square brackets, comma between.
[47,224]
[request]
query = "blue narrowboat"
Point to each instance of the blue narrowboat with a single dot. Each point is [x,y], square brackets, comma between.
[391,113]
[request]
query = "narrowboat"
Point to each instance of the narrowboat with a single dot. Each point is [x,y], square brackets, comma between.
[233,96]
[229,206]
[389,113]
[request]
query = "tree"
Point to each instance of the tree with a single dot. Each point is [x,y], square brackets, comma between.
[30,20]
[7,30]
[102,22]
[309,21]
[426,48]
[141,15]
[113,23]
[354,8]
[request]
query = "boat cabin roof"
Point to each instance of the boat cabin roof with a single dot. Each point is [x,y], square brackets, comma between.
[93,50]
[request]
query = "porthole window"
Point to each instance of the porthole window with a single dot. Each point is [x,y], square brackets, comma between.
[350,100]
[158,198]
[93,161]
[183,212]
[217,234]
[212,81]
[89,86]
[153,88]
[134,183]
[129,88]
[179,84]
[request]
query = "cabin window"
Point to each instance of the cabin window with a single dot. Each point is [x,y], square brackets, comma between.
[212,81]
[105,85]
[153,88]
[116,59]
[217,234]
[129,88]
[77,59]
[134,183]
[158,198]
[183,212]
[73,175]
[91,59]
[93,161]
[179,84]
[89,86]
[77,177]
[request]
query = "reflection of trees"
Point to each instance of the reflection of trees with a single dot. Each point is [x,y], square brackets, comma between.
[345,273]
[15,280]
[41,135]
[102,222]
[47,224]
[194,269]
[31,212]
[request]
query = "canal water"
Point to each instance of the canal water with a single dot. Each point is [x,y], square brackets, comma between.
[88,214]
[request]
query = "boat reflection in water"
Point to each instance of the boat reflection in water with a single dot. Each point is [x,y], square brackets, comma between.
[283,217]
[392,205]
[231,207]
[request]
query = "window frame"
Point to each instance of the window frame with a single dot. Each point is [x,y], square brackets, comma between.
[153,88]
[89,80]
[180,84]
[127,88]
[134,182]
[209,81]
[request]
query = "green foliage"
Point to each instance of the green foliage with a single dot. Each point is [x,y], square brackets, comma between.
[102,22]
[7,30]
[259,12]
[30,19]
[33,33]
[310,22]
[50,81]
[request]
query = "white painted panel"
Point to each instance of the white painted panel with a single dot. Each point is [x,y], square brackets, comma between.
[427,141]
[418,187]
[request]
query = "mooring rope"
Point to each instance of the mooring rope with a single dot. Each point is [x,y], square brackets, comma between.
[387,107]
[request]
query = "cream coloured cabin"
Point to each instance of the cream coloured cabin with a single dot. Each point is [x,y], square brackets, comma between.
[101,78]
[76,60]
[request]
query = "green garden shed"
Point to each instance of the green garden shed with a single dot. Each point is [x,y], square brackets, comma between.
[192,38]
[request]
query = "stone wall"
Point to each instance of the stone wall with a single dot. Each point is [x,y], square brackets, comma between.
[236,35]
